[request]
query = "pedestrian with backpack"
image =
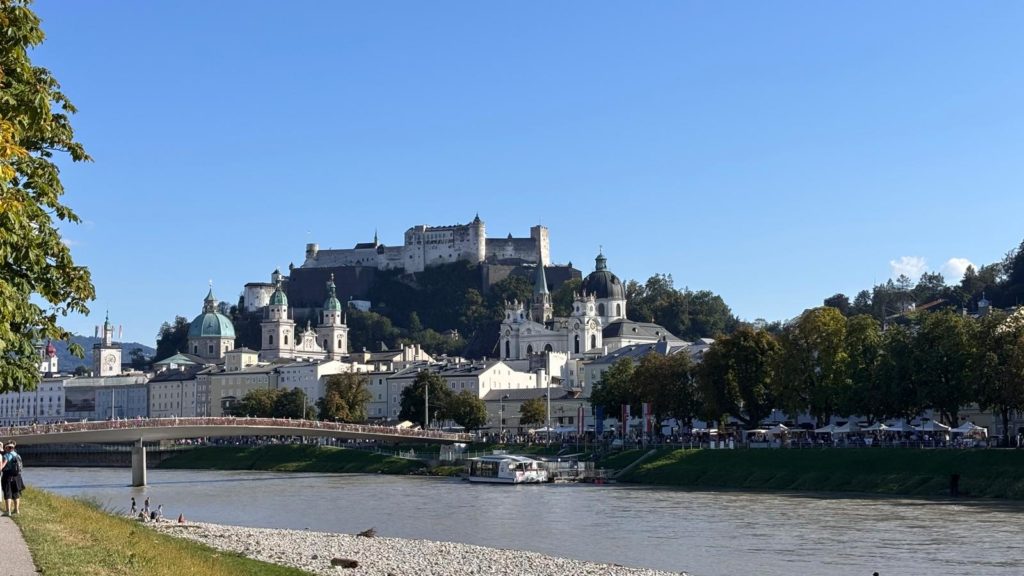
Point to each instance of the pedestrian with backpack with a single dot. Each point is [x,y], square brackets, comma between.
[11,481]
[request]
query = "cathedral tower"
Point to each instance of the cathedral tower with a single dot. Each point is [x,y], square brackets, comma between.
[278,329]
[106,356]
[332,331]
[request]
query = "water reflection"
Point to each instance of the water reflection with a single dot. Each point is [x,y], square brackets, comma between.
[703,533]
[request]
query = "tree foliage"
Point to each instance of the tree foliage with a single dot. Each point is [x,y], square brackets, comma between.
[345,398]
[533,411]
[39,280]
[172,339]
[273,403]
[428,386]
[467,410]
[737,377]
[812,371]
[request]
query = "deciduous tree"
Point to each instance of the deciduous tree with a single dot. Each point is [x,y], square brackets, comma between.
[468,410]
[533,411]
[39,280]
[737,377]
[345,398]
[413,398]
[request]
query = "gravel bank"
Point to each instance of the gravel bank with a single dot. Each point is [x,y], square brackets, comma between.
[313,551]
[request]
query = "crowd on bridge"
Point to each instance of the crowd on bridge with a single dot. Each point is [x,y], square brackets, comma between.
[233,421]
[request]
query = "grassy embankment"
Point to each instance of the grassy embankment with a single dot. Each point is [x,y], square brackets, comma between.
[291,458]
[919,473]
[73,538]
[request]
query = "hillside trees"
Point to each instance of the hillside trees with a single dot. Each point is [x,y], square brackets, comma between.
[172,338]
[39,280]
[685,313]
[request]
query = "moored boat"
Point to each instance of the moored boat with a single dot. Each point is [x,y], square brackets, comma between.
[506,469]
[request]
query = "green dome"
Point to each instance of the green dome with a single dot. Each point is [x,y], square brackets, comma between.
[278,298]
[332,302]
[211,325]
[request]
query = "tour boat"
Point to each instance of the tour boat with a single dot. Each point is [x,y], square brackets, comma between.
[506,469]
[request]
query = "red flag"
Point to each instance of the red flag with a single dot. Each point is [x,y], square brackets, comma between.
[580,428]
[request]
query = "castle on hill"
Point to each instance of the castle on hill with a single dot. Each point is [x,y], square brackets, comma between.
[426,246]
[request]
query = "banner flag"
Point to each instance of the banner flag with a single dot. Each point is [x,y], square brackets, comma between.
[646,407]
[580,428]
[625,419]
[599,420]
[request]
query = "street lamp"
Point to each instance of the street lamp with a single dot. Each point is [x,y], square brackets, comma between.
[547,442]
[501,417]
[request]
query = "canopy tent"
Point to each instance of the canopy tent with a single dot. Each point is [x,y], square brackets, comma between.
[777,430]
[850,427]
[933,426]
[827,429]
[877,427]
[756,431]
[901,427]
[970,428]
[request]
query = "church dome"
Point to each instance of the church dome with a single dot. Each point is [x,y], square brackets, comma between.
[332,302]
[211,324]
[278,298]
[602,283]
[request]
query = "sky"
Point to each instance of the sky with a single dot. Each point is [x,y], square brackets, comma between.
[775,153]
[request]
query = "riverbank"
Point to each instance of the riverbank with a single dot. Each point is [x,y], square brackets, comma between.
[904,472]
[314,552]
[291,458]
[73,538]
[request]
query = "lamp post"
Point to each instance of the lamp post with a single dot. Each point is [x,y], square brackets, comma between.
[426,405]
[547,441]
[501,417]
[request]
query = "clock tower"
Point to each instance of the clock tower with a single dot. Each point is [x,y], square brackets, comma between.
[106,355]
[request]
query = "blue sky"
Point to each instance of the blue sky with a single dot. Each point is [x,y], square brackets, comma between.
[774,153]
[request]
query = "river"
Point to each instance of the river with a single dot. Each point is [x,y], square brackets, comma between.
[702,533]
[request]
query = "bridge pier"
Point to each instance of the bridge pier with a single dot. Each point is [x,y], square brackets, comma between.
[138,464]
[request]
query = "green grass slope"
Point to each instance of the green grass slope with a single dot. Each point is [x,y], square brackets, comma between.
[73,538]
[983,473]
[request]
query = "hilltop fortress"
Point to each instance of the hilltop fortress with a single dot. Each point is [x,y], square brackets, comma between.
[426,246]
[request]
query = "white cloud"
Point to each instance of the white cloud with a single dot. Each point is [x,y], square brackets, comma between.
[911,266]
[954,268]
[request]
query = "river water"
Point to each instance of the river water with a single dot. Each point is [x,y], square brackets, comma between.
[702,533]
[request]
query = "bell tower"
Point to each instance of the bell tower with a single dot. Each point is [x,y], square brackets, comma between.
[332,331]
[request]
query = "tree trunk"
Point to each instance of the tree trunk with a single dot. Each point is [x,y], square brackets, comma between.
[1005,413]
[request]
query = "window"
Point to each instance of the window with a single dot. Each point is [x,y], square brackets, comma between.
[529,349]
[270,339]
[286,339]
[618,309]
[593,341]
[600,309]
[576,345]
[211,348]
[507,349]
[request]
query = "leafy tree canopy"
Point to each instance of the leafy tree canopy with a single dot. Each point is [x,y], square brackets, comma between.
[345,398]
[39,281]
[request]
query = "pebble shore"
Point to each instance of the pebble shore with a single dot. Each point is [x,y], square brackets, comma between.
[314,551]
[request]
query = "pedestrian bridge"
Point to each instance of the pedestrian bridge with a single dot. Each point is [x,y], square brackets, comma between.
[142,430]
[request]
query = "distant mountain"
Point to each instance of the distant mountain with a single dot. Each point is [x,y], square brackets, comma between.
[67,363]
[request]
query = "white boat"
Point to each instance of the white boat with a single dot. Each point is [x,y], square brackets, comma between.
[506,469]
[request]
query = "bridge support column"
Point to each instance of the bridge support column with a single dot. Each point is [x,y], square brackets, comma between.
[138,464]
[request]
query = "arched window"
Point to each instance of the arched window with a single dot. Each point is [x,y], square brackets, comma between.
[325,343]
[618,309]
[508,349]
[195,349]
[270,339]
[285,339]
[529,349]
[576,345]
[600,309]
[593,341]
[547,347]
[340,347]
[210,348]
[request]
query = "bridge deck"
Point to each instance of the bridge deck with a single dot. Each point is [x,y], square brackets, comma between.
[153,429]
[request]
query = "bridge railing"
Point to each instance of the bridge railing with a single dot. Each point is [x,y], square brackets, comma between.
[286,424]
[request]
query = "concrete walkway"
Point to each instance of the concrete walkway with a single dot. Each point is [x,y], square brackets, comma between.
[15,559]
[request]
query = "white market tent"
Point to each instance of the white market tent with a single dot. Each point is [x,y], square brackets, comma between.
[777,430]
[827,429]
[970,428]
[901,427]
[933,426]
[850,427]
[877,427]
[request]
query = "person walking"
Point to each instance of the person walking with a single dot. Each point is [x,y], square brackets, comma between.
[11,481]
[134,509]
